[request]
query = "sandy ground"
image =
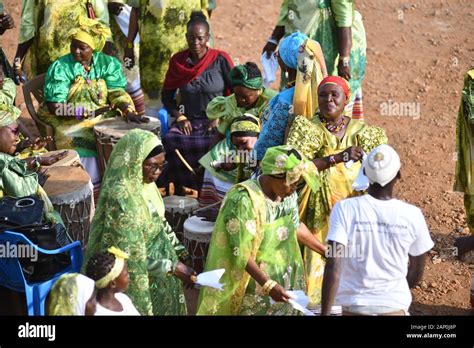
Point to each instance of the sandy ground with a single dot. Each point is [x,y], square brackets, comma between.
[418,52]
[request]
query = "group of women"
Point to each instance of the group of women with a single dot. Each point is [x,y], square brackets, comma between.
[298,142]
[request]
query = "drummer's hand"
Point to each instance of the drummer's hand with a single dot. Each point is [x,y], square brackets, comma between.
[184,273]
[227,166]
[49,160]
[135,118]
[39,143]
[186,127]
[43,175]
[208,214]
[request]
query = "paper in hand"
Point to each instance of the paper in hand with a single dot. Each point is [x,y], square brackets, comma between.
[211,279]
[361,183]
[298,301]
[270,67]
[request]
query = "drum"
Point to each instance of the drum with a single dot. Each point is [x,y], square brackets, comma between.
[72,158]
[70,191]
[197,235]
[177,210]
[110,131]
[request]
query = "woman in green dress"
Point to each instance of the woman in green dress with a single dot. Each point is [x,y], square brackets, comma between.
[256,240]
[332,141]
[130,216]
[249,97]
[81,89]
[162,28]
[338,28]
[45,27]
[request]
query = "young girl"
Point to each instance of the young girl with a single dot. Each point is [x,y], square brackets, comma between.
[110,272]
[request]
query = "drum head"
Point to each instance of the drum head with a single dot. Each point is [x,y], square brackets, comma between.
[197,228]
[67,184]
[180,204]
[117,127]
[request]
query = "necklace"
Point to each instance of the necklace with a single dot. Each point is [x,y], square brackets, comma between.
[333,128]
[87,70]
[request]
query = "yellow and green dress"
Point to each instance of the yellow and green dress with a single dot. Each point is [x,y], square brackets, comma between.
[465,148]
[68,82]
[313,140]
[319,19]
[49,22]
[162,31]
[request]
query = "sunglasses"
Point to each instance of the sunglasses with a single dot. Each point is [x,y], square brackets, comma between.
[15,131]
[154,167]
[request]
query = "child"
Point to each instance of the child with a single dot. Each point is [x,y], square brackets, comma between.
[110,272]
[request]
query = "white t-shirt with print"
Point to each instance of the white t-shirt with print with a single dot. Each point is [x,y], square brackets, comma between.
[378,235]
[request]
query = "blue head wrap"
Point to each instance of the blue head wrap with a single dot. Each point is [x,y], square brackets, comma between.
[288,49]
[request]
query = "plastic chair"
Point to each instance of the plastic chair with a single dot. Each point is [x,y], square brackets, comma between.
[35,87]
[13,278]
[163,117]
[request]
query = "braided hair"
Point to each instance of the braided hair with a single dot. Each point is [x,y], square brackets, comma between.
[100,265]
[253,70]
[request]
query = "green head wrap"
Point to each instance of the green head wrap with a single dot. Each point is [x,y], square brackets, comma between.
[282,160]
[239,76]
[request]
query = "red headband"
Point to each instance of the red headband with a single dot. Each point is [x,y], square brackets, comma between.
[337,81]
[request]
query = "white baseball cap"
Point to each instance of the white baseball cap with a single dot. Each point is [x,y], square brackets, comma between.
[382,165]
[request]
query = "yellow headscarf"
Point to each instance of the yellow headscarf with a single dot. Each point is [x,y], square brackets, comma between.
[91,32]
[8,114]
[311,70]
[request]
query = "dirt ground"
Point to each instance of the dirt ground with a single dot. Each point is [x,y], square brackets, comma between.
[418,52]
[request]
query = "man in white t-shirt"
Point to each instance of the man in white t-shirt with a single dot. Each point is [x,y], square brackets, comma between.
[376,245]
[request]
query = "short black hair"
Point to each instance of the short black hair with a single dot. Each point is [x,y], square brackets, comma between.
[100,265]
[252,70]
[197,17]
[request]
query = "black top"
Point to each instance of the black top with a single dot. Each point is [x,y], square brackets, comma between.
[199,92]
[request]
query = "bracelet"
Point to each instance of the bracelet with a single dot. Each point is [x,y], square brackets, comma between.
[129,44]
[181,118]
[273,41]
[345,60]
[268,286]
[37,162]
[332,161]
[17,63]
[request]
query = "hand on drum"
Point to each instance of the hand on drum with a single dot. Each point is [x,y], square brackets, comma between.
[43,175]
[38,143]
[208,214]
[185,273]
[49,160]
[135,118]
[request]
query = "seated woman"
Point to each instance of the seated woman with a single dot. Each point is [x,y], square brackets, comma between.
[81,89]
[201,74]
[331,140]
[231,161]
[130,216]
[73,294]
[18,178]
[249,97]
[256,240]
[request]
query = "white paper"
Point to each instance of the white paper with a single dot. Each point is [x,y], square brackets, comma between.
[298,301]
[270,67]
[361,183]
[211,279]
[123,19]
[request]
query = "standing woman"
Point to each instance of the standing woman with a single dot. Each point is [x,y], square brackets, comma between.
[338,28]
[195,77]
[44,29]
[162,26]
[130,215]
[6,23]
[330,140]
